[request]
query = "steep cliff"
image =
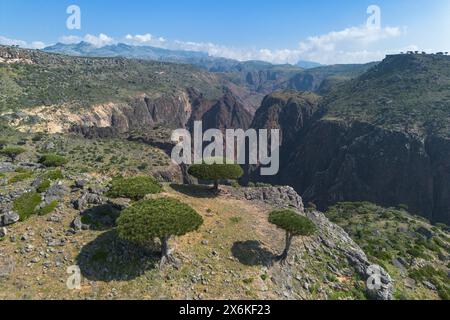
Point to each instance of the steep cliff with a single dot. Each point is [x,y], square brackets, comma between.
[383,137]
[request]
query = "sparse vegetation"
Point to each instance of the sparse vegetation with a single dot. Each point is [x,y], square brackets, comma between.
[389,235]
[20,175]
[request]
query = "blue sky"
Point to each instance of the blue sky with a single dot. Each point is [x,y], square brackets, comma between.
[277,31]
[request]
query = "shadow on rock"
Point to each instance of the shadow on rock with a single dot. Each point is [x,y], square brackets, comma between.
[196,191]
[251,253]
[100,218]
[108,258]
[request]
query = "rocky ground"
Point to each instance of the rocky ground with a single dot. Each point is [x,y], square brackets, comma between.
[230,257]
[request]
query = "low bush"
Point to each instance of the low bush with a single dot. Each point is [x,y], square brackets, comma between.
[53,175]
[21,177]
[49,208]
[26,204]
[52,160]
[135,188]
[43,186]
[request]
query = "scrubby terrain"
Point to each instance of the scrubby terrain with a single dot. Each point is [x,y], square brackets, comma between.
[414,252]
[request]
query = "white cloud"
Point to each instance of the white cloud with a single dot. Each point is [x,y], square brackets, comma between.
[70,39]
[14,42]
[99,41]
[37,45]
[145,39]
[351,45]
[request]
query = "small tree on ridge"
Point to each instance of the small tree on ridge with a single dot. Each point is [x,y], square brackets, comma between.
[294,224]
[212,171]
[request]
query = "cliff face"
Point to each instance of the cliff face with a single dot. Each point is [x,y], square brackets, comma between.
[332,161]
[139,114]
[287,111]
[335,162]
[382,138]
[227,113]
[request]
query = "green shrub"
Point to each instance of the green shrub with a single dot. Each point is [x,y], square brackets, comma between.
[21,176]
[43,186]
[38,137]
[12,152]
[100,256]
[135,188]
[160,218]
[52,160]
[215,172]
[49,208]
[236,220]
[143,166]
[21,170]
[427,273]
[235,184]
[53,175]
[26,204]
[3,143]
[263,185]
[443,291]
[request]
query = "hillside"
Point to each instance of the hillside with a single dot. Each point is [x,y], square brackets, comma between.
[56,93]
[414,252]
[382,137]
[82,82]
[408,93]
[323,79]
[258,77]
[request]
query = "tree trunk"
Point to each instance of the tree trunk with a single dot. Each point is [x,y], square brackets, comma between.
[166,258]
[282,257]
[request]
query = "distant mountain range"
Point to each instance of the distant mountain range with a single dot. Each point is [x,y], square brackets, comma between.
[202,59]
[308,64]
[124,50]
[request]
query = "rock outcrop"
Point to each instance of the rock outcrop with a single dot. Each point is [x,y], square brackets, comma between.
[276,196]
[329,235]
